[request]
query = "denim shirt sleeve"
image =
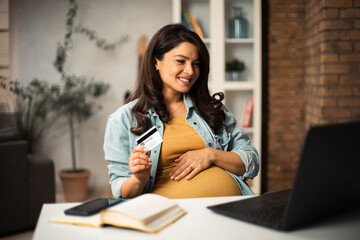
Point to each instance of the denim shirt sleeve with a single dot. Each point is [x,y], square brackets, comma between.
[118,144]
[116,149]
[239,143]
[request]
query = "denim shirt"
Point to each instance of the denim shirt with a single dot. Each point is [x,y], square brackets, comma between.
[120,141]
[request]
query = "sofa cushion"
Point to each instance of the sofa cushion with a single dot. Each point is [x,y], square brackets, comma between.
[9,134]
[7,120]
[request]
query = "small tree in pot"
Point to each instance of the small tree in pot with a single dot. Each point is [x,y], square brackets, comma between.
[75,103]
[75,100]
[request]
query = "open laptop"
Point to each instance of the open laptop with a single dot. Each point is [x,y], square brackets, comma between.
[327,183]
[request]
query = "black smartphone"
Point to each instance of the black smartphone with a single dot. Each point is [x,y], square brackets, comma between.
[93,206]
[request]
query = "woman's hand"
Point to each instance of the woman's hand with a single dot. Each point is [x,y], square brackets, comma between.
[191,163]
[140,163]
[140,166]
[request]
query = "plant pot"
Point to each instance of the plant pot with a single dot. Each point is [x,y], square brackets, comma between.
[235,76]
[74,184]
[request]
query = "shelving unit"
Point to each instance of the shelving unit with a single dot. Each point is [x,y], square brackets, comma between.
[213,17]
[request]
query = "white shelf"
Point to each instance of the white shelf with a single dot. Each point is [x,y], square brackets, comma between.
[229,86]
[213,16]
[239,85]
[249,130]
[239,40]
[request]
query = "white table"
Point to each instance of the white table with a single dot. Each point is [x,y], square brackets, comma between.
[199,223]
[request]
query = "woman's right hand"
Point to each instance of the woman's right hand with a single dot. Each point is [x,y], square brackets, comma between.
[140,163]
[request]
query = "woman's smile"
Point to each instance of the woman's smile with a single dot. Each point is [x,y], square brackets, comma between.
[185,80]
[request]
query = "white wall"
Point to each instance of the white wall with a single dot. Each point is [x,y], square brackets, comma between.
[41,24]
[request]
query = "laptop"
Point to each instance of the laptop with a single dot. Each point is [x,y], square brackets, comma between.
[327,183]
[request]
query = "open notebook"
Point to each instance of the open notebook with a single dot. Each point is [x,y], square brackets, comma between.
[327,183]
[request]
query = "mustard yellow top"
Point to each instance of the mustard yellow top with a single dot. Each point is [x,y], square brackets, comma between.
[179,137]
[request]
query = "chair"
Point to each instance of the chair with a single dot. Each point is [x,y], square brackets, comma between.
[26,181]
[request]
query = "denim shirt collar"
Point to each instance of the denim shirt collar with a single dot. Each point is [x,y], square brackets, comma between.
[188,102]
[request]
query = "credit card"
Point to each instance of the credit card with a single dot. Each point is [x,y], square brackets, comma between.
[150,139]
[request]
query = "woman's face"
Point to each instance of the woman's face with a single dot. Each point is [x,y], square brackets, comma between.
[179,69]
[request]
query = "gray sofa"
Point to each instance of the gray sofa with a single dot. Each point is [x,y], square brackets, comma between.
[26,181]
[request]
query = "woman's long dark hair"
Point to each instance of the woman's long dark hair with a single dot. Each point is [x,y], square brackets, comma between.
[149,85]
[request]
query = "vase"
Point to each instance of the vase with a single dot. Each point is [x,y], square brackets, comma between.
[238,25]
[234,76]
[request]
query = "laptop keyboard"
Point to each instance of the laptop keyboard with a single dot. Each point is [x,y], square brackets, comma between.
[266,210]
[271,213]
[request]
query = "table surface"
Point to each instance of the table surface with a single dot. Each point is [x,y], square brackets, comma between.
[198,223]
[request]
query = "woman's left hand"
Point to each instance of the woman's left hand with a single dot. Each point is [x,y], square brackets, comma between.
[191,163]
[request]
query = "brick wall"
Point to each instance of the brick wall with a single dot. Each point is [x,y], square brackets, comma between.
[332,79]
[313,77]
[285,91]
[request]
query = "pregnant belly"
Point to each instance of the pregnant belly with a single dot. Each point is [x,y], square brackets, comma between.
[212,182]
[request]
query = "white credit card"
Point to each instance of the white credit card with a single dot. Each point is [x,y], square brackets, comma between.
[150,139]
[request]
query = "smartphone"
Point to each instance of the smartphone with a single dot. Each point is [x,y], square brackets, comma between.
[93,206]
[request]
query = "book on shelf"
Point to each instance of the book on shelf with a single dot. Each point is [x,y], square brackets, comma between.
[148,212]
[185,19]
[190,21]
[196,25]
[248,109]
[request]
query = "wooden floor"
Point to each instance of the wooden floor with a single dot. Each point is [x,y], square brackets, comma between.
[28,235]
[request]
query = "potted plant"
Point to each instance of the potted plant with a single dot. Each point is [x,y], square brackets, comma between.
[75,101]
[234,69]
